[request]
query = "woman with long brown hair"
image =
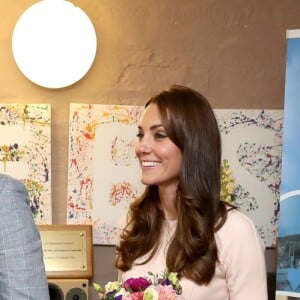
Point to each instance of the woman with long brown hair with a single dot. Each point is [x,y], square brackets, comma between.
[180,223]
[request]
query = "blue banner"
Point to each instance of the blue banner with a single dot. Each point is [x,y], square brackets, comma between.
[288,264]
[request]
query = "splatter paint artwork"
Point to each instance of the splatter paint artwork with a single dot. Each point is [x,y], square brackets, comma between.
[25,152]
[104,176]
[252,144]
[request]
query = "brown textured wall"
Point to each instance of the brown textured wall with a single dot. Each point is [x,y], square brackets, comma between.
[233,51]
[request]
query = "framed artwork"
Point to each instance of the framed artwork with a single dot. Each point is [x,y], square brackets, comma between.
[104,176]
[25,152]
[252,146]
[103,171]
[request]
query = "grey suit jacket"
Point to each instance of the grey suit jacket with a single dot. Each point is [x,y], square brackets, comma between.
[22,269]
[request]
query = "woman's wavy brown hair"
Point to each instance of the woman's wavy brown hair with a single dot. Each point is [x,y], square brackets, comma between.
[190,123]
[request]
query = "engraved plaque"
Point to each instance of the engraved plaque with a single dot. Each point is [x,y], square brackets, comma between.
[67,250]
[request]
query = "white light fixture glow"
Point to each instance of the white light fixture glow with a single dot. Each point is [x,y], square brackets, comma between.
[54,43]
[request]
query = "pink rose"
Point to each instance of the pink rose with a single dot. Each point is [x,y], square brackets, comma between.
[166,292]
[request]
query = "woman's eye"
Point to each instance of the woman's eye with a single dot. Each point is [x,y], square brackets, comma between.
[160,135]
[139,135]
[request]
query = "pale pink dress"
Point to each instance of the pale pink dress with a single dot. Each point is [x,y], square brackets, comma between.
[240,274]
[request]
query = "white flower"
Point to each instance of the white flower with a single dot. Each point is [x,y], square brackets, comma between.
[112,286]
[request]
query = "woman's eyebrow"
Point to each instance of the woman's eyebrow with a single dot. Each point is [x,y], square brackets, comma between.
[152,127]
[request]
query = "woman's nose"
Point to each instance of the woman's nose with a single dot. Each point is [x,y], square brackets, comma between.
[142,146]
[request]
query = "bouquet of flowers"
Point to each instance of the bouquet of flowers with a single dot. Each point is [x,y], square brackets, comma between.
[154,287]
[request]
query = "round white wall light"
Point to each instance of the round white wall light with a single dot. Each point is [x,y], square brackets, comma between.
[54,43]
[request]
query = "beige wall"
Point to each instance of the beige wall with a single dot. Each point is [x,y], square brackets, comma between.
[233,51]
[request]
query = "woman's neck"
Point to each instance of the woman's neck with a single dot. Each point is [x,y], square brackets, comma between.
[167,197]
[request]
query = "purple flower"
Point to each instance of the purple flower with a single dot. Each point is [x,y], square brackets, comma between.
[136,284]
[165,281]
[111,295]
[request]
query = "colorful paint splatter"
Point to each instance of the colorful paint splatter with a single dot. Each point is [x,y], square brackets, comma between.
[252,143]
[103,171]
[25,151]
[122,192]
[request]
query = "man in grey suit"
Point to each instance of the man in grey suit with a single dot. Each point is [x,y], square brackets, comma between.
[22,269]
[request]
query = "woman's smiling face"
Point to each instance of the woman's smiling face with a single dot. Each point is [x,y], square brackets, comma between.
[160,159]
